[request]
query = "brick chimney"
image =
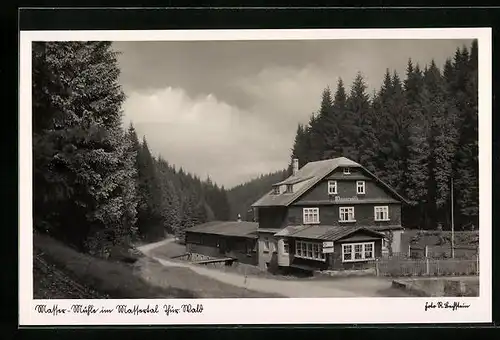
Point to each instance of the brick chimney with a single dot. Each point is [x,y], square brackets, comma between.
[295,166]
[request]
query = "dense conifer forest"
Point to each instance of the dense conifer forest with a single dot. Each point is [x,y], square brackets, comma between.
[417,133]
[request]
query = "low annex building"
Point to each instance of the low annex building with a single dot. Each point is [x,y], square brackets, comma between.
[221,239]
[330,214]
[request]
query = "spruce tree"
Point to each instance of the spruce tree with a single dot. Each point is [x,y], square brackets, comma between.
[334,124]
[467,184]
[417,174]
[83,169]
[319,132]
[357,108]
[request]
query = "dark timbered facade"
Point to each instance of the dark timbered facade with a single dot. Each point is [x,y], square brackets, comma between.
[330,214]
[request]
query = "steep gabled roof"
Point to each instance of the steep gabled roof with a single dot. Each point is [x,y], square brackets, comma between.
[387,186]
[308,176]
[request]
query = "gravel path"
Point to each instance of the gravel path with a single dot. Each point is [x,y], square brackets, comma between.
[345,287]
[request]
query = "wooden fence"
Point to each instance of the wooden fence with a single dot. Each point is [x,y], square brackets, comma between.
[435,252]
[398,266]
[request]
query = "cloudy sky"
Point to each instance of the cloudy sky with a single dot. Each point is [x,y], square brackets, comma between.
[230,109]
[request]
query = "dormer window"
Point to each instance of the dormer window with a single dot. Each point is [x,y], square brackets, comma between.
[347,171]
[289,188]
[276,190]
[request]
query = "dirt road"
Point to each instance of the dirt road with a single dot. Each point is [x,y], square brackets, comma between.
[345,287]
[146,248]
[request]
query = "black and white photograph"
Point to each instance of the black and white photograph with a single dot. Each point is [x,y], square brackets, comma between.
[218,170]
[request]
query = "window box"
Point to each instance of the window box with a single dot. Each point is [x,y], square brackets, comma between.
[310,215]
[358,252]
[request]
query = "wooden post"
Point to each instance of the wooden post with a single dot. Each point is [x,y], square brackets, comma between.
[452,224]
[377,267]
[426,254]
[477,264]
[409,250]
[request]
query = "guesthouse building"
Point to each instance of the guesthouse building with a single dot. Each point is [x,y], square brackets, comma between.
[329,214]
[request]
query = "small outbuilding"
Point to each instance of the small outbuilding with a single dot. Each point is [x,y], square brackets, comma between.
[224,239]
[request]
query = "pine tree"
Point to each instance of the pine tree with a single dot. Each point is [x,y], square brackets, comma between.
[83,171]
[467,184]
[395,137]
[444,139]
[357,108]
[318,131]
[381,107]
[417,174]
[299,150]
[149,194]
[334,123]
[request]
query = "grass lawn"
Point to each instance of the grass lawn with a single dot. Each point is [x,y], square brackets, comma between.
[61,272]
[465,242]
[52,283]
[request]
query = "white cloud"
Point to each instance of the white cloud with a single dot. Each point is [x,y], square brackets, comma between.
[205,135]
[286,95]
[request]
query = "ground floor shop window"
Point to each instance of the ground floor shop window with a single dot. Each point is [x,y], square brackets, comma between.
[352,252]
[309,250]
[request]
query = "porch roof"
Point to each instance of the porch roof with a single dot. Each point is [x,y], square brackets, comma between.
[323,232]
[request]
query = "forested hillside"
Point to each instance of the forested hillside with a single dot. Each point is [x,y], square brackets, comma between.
[171,200]
[416,133]
[96,186]
[242,197]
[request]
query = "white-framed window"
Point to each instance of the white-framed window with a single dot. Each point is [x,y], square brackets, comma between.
[276,190]
[289,188]
[346,214]
[360,187]
[381,213]
[352,252]
[347,171]
[286,248]
[332,187]
[311,215]
[309,250]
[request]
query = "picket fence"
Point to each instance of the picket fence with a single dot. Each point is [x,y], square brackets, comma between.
[399,266]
